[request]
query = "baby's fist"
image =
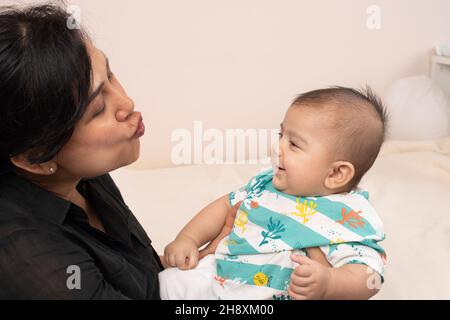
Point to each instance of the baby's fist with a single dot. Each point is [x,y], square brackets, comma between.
[182,253]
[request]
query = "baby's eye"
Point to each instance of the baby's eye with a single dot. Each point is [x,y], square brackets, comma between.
[293,144]
[280,135]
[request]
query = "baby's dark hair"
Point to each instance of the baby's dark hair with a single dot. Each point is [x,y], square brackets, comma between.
[359,120]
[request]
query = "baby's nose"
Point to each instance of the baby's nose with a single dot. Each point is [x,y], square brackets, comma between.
[275,155]
[275,149]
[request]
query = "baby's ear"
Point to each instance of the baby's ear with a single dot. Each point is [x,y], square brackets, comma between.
[339,175]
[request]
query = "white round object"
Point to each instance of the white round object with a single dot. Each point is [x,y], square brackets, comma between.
[418,110]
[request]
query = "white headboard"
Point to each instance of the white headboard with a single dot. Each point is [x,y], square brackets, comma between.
[440,72]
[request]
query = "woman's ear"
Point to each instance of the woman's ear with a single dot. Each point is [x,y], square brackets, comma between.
[340,174]
[44,168]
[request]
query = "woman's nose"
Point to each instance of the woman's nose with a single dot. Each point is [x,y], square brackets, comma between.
[126,108]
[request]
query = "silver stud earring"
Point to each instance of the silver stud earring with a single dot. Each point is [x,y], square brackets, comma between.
[52,170]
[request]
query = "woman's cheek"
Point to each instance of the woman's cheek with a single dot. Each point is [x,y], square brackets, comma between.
[104,136]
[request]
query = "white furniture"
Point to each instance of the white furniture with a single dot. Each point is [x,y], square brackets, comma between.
[440,72]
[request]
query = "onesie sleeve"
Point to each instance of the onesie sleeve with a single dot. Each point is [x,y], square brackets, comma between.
[238,195]
[251,188]
[354,253]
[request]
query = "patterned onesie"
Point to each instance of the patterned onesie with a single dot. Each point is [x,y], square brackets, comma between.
[253,261]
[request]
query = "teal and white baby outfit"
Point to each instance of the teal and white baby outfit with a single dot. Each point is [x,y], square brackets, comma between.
[253,261]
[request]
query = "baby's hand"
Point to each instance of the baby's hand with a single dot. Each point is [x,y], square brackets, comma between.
[310,280]
[182,253]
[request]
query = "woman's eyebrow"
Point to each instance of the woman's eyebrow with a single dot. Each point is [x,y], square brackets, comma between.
[108,69]
[97,91]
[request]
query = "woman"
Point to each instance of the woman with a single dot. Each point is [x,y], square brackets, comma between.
[65,230]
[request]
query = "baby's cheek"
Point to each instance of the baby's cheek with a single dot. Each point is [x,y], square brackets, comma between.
[297,179]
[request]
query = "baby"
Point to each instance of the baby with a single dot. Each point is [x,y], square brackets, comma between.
[304,229]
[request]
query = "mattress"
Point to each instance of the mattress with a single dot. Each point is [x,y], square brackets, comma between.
[409,185]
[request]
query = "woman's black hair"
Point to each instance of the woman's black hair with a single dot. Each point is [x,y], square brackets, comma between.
[45,78]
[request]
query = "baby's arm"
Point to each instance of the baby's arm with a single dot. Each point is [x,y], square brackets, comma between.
[351,281]
[313,279]
[204,227]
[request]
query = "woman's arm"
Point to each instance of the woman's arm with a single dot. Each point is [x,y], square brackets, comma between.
[34,265]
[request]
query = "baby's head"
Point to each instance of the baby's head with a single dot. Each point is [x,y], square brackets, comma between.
[329,139]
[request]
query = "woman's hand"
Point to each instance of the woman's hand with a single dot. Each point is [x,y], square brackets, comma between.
[228,226]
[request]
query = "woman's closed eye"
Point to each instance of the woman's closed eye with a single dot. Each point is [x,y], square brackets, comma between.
[100,111]
[102,108]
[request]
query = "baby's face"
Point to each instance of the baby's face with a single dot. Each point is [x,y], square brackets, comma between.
[304,153]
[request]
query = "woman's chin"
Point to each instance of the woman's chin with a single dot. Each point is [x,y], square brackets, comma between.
[134,153]
[132,159]
[129,158]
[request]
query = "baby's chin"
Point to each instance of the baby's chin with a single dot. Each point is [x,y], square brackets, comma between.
[280,185]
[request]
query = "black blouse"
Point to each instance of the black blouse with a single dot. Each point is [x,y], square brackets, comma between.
[48,250]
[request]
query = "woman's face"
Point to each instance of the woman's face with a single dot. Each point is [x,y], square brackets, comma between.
[107,136]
